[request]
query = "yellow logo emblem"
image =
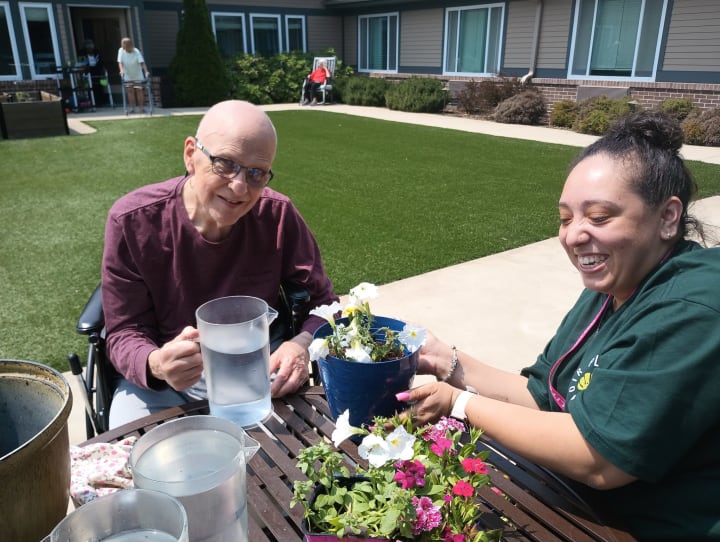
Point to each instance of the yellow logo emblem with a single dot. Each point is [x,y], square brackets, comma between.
[584,381]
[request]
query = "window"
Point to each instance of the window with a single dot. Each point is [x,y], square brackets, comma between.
[295,33]
[9,64]
[617,39]
[265,34]
[473,37]
[40,39]
[229,30]
[378,42]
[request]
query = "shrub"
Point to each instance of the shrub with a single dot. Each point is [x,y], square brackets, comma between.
[276,79]
[528,107]
[679,108]
[702,127]
[599,111]
[362,90]
[480,97]
[563,114]
[197,71]
[595,122]
[417,94]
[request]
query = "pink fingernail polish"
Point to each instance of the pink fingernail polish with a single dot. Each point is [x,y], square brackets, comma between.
[402,396]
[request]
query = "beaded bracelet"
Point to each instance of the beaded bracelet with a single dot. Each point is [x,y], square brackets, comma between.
[453,364]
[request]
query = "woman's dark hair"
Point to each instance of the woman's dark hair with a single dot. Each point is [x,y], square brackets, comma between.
[648,142]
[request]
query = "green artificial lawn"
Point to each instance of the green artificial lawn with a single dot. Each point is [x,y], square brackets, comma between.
[385,200]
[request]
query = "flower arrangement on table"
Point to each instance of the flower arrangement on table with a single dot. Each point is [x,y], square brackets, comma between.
[419,485]
[357,340]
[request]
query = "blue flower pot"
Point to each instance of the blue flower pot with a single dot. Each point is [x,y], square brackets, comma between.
[367,390]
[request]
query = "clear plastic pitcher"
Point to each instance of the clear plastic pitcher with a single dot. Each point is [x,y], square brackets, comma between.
[199,460]
[126,515]
[234,340]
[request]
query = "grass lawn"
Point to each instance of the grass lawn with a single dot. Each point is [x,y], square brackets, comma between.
[386,201]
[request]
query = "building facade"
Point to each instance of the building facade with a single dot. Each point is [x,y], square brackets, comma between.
[649,49]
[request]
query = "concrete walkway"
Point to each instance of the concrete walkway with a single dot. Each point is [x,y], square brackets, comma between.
[502,308]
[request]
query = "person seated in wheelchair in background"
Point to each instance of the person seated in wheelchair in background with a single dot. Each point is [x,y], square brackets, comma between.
[216,231]
[314,81]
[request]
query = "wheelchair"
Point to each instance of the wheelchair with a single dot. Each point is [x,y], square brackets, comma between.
[100,379]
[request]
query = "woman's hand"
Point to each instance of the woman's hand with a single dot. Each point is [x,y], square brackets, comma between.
[289,366]
[435,357]
[429,403]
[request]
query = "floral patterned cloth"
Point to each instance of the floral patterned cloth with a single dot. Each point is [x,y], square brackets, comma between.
[99,469]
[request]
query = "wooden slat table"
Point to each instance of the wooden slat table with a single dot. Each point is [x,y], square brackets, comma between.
[533,504]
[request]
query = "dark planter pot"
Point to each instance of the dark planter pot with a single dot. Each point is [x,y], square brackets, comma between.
[366,389]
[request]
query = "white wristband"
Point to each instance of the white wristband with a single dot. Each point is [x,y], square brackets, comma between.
[458,409]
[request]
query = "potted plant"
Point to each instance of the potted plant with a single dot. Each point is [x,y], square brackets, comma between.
[364,360]
[420,484]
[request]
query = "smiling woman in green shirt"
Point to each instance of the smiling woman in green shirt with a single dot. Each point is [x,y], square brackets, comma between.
[624,398]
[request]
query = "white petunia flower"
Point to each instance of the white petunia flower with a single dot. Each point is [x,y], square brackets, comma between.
[400,444]
[375,450]
[343,429]
[327,311]
[363,292]
[413,337]
[358,353]
[318,349]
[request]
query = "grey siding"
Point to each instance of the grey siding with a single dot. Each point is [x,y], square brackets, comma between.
[693,42]
[161,28]
[555,34]
[350,52]
[519,37]
[324,33]
[421,35]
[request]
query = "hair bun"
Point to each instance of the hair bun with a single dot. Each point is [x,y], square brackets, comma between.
[654,128]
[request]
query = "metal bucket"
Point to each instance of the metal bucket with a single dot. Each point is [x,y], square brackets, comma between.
[35,402]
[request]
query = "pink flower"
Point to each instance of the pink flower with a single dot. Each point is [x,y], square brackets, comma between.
[427,515]
[463,488]
[410,474]
[448,536]
[471,464]
[441,445]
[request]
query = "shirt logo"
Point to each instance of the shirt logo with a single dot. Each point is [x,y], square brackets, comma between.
[583,375]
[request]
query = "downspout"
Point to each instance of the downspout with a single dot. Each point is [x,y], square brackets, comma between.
[536,43]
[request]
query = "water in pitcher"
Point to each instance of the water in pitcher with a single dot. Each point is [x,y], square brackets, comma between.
[237,378]
[141,535]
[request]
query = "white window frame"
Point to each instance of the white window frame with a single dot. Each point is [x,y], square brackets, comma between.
[53,34]
[499,45]
[287,32]
[240,16]
[254,16]
[395,14]
[587,75]
[5,6]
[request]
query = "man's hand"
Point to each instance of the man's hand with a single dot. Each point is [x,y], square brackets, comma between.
[289,366]
[178,362]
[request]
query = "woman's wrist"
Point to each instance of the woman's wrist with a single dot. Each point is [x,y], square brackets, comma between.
[446,376]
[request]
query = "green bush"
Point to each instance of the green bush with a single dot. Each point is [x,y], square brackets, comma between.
[528,107]
[197,71]
[417,94]
[361,90]
[693,131]
[595,115]
[276,79]
[595,122]
[679,108]
[563,114]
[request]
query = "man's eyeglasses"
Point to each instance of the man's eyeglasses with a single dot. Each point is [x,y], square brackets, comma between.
[227,169]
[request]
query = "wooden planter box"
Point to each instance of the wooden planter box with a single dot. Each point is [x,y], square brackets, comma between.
[32,114]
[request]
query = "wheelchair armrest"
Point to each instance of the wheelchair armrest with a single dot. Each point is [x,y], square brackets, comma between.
[92,319]
[296,295]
